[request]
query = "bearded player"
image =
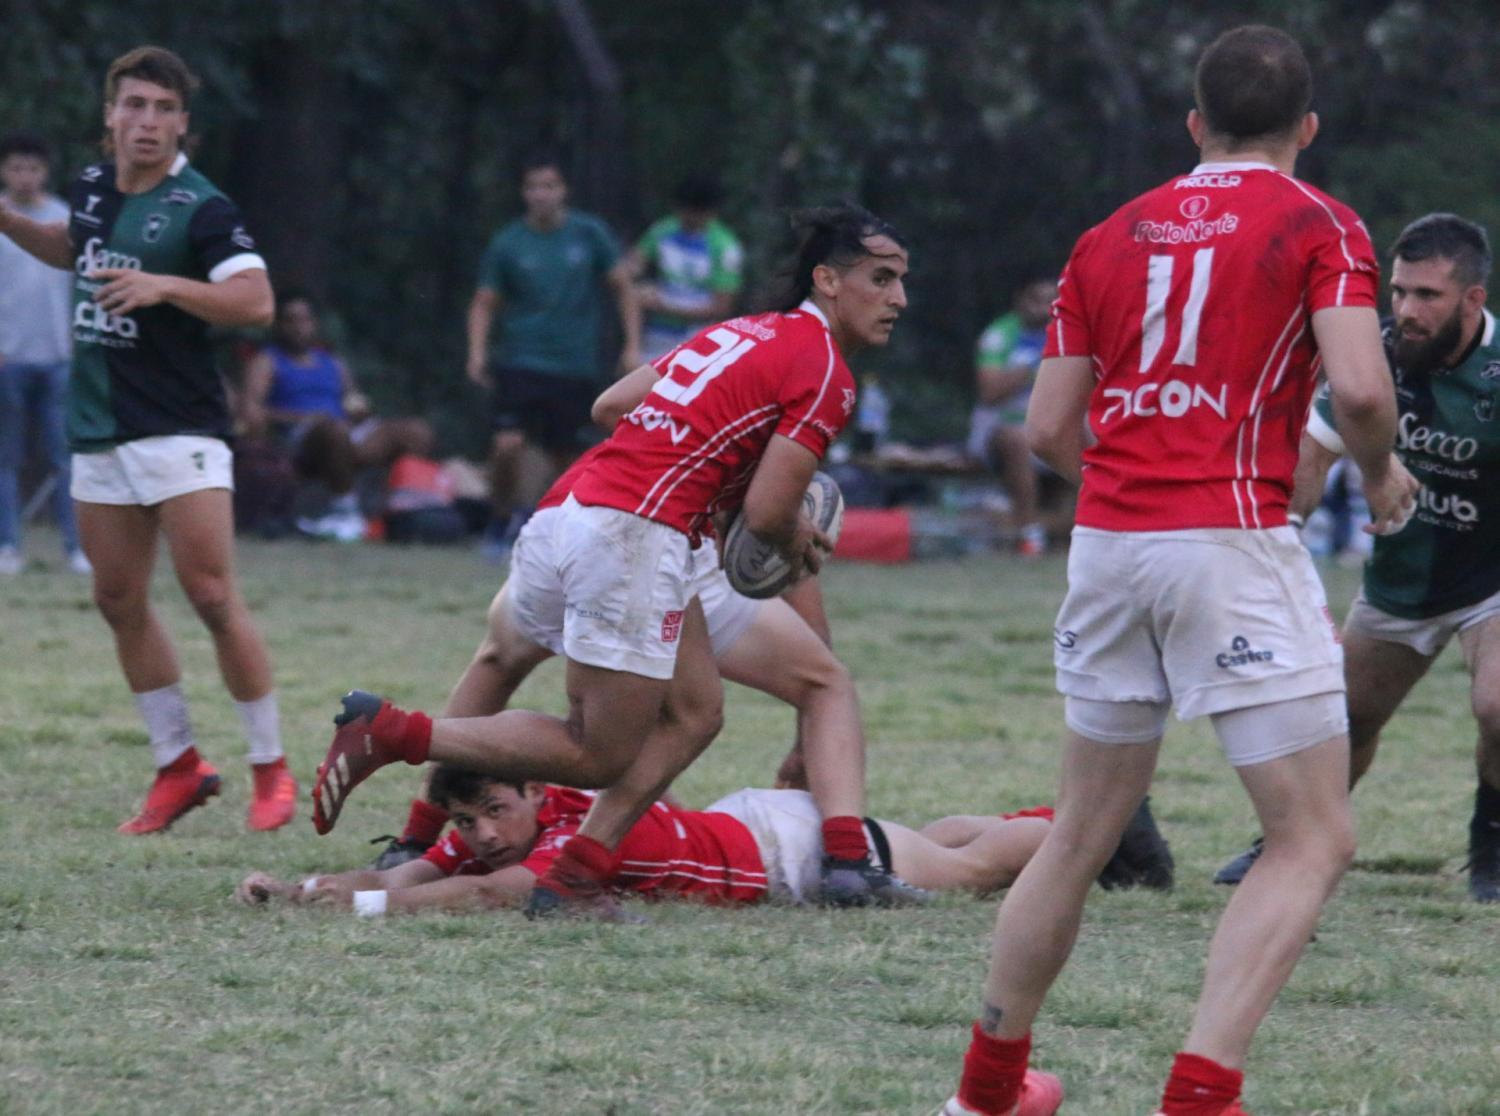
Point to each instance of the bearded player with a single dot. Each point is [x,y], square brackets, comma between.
[1439,579]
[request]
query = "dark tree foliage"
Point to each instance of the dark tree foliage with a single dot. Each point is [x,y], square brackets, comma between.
[375,143]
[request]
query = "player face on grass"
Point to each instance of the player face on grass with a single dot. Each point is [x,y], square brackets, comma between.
[864,299]
[500,826]
[1431,306]
[146,122]
[545,193]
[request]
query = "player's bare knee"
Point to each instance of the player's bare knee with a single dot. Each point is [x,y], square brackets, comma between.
[1486,706]
[122,606]
[213,601]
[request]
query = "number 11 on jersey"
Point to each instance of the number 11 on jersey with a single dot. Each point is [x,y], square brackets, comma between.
[1154,323]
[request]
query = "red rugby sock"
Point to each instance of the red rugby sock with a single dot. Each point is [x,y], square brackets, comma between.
[844,838]
[424,824]
[410,734]
[1199,1086]
[994,1071]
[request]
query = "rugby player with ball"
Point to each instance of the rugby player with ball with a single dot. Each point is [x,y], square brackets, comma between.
[738,416]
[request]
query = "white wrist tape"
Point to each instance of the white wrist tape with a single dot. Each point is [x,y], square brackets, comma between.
[368,904]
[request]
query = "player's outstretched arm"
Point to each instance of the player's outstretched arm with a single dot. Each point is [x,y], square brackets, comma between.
[1055,416]
[509,887]
[244,299]
[47,242]
[1364,407]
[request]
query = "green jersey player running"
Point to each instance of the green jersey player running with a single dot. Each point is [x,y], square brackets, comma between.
[159,255]
[1440,576]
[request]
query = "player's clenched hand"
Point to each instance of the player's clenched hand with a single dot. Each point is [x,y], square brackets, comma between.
[808,548]
[1392,496]
[259,887]
[126,290]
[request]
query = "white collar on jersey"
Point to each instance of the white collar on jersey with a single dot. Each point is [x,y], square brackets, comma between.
[1489,329]
[812,308]
[1228,167]
[177,165]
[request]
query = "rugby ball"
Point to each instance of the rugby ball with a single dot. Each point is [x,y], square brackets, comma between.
[755,568]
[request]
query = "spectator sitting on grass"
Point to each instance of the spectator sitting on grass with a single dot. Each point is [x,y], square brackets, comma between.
[306,398]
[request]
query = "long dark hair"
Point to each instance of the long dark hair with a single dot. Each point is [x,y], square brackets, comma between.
[827,234]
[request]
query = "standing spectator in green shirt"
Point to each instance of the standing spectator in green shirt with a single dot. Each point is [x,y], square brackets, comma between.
[693,264]
[544,277]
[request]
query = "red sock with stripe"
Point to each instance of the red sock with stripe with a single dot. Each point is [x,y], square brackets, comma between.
[994,1071]
[1199,1086]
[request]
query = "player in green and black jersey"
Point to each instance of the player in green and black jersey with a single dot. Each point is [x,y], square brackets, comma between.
[1440,576]
[159,255]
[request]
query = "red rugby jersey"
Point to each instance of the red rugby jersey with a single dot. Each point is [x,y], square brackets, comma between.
[668,852]
[689,450]
[1195,303]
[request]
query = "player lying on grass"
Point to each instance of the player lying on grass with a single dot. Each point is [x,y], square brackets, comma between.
[740,418]
[751,846]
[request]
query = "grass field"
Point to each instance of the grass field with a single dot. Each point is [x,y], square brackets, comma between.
[130,983]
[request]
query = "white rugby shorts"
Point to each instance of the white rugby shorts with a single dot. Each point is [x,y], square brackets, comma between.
[535,589]
[1427,636]
[1212,619]
[150,471]
[788,830]
[626,584]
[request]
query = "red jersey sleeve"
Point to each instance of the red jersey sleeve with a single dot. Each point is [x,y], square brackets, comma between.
[560,816]
[816,397]
[450,854]
[1344,271]
[1068,332]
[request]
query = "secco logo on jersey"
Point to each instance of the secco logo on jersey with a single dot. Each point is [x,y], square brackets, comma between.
[1240,654]
[1423,439]
[1207,182]
[90,317]
[649,418]
[95,256]
[1172,399]
[1194,232]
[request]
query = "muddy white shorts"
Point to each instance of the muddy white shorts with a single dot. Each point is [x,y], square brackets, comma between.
[1212,619]
[626,584]
[535,591]
[150,471]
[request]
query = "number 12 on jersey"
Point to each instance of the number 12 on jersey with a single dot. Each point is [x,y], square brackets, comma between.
[1154,323]
[701,368]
